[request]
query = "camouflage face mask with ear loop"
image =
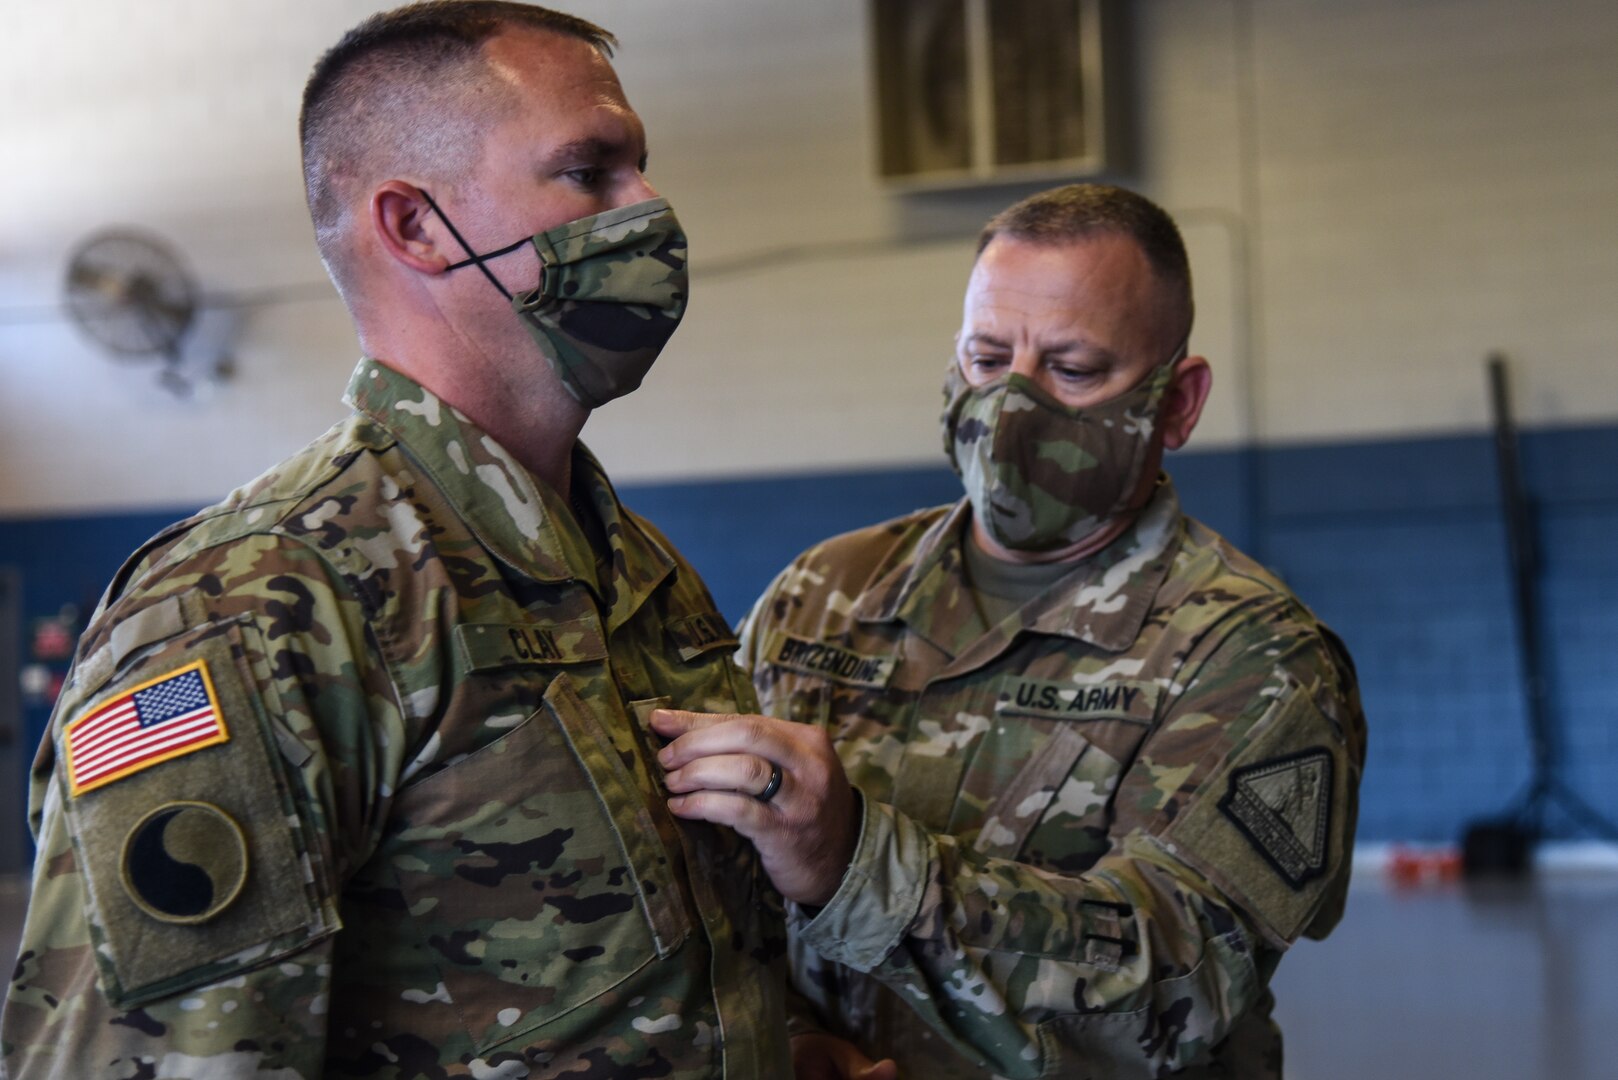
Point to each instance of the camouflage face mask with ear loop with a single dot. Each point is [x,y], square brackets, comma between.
[611,291]
[1042,475]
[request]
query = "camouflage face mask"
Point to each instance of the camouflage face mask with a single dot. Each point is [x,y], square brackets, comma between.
[1041,475]
[611,290]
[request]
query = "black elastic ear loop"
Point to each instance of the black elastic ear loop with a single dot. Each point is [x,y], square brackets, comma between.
[476,259]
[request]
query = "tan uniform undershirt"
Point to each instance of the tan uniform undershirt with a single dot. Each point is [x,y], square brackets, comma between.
[999,587]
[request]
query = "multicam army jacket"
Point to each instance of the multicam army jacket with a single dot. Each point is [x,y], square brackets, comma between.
[351,779]
[1091,831]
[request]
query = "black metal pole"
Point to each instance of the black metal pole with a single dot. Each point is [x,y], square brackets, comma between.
[1527,824]
[1525,569]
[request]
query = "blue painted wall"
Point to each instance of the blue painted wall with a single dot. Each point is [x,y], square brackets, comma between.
[1398,545]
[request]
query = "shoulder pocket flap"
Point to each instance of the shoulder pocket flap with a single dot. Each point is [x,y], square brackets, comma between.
[162,620]
[180,822]
[496,645]
[1271,827]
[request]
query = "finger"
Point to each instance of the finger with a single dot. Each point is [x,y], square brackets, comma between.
[814,1066]
[745,774]
[817,1056]
[768,738]
[854,1065]
[746,816]
[672,723]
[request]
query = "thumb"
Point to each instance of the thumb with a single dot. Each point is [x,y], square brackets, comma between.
[886,1069]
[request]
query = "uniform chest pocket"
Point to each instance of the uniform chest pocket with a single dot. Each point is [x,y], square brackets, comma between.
[1057,808]
[534,873]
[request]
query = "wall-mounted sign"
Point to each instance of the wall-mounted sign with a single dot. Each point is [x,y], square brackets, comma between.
[55,636]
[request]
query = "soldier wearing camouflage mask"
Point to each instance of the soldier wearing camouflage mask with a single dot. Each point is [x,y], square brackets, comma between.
[1106,766]
[352,774]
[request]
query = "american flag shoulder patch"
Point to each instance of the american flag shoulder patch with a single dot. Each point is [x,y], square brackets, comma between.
[159,720]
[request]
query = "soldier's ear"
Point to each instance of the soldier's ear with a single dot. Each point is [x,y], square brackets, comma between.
[1184,399]
[401,220]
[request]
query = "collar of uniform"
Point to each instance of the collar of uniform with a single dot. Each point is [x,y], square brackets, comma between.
[1106,598]
[1103,601]
[638,562]
[510,513]
[924,587]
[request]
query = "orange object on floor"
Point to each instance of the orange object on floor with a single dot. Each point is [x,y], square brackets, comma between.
[1417,867]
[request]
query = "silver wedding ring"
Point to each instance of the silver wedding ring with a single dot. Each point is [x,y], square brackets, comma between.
[773,786]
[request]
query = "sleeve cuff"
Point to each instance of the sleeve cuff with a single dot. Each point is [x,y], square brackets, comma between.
[880,894]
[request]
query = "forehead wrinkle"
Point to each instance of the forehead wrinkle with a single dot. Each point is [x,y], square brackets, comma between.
[1099,293]
[1007,313]
[1080,346]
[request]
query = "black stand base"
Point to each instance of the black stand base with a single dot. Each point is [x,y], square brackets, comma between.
[1497,847]
[1504,846]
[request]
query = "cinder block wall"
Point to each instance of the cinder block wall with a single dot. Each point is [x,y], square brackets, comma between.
[1376,195]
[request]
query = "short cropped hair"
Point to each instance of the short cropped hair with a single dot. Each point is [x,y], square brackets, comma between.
[1076,211]
[400,94]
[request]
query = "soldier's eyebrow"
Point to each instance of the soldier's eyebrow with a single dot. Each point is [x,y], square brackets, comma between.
[1098,354]
[592,150]
[979,338]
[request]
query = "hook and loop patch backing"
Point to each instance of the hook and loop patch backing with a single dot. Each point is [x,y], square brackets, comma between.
[1275,839]
[184,863]
[194,866]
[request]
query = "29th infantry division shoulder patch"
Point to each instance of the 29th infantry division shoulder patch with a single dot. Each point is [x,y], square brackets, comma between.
[161,719]
[1283,806]
[184,862]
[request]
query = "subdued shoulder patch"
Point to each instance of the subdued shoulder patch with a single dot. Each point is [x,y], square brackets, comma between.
[1284,808]
[185,862]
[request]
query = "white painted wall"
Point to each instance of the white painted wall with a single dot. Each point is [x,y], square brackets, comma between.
[1375,193]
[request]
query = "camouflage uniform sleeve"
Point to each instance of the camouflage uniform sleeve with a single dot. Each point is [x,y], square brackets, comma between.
[182,916]
[1143,962]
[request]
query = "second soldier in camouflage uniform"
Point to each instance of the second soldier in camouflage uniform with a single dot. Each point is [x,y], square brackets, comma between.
[1108,765]
[351,776]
